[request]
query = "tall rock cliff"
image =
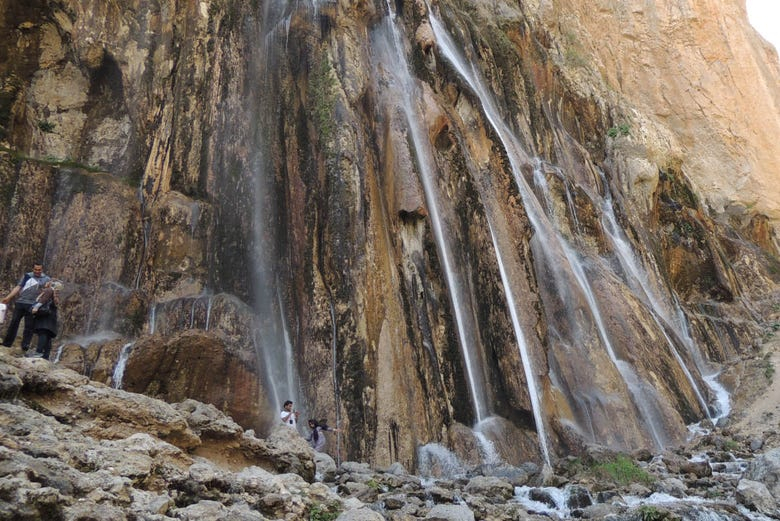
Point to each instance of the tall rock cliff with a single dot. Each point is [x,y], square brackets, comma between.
[533,224]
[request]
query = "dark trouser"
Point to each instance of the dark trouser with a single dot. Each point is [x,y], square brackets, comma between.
[20,311]
[44,343]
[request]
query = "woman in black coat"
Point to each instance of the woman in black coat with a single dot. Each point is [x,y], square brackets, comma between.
[45,322]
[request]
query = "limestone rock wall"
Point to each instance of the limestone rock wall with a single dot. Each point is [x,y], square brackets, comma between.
[237,190]
[703,83]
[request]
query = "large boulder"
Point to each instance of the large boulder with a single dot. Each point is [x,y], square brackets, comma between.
[450,513]
[75,449]
[766,469]
[102,412]
[756,497]
[206,366]
[490,486]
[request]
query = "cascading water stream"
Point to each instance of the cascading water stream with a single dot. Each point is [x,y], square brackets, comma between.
[548,240]
[671,313]
[635,276]
[121,363]
[271,340]
[722,398]
[434,459]
[288,347]
[530,377]
[58,356]
[487,450]
[638,281]
[192,313]
[152,318]
[396,62]
[208,312]
[390,50]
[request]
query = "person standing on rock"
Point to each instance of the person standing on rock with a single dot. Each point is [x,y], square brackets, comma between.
[45,322]
[27,290]
[288,415]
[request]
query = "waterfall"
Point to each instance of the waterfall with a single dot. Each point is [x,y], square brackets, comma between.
[487,450]
[290,373]
[121,363]
[722,398]
[389,48]
[208,312]
[638,281]
[192,313]
[393,59]
[271,340]
[550,249]
[522,345]
[146,225]
[58,356]
[152,318]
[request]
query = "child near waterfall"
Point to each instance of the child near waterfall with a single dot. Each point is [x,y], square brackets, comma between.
[45,323]
[316,438]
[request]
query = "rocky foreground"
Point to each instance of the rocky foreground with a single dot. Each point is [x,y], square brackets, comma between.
[75,449]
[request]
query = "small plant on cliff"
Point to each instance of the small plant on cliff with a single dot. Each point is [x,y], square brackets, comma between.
[322,100]
[622,471]
[620,130]
[46,126]
[324,512]
[769,370]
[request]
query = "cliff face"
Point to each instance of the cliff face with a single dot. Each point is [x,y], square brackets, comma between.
[704,82]
[505,216]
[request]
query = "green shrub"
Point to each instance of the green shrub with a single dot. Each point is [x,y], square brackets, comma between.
[651,513]
[324,512]
[622,471]
[769,370]
[620,130]
[46,126]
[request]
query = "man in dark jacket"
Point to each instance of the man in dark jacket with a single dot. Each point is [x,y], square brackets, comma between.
[27,290]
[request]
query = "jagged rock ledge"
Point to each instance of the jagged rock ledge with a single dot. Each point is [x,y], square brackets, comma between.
[75,449]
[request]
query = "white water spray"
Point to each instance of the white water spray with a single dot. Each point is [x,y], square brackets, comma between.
[435,460]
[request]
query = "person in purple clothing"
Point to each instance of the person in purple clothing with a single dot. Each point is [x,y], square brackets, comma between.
[316,437]
[26,293]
